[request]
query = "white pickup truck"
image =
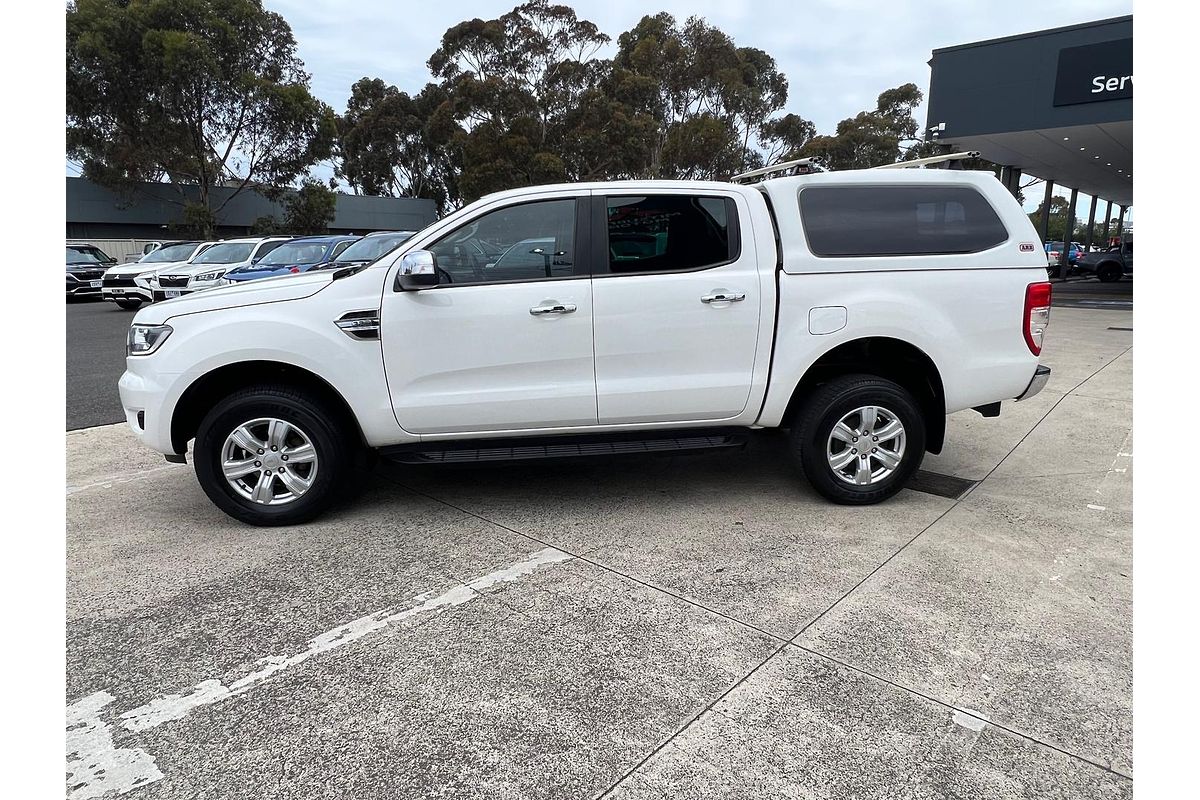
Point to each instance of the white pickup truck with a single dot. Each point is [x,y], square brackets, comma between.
[855,309]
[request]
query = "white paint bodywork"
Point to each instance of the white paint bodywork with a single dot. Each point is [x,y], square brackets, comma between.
[640,352]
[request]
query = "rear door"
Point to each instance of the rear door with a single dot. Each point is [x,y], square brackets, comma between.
[677,297]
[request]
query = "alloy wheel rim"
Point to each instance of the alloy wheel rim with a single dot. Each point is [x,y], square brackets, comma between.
[269,461]
[866,446]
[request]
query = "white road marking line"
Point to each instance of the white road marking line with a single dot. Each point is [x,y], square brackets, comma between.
[1095,507]
[107,482]
[971,720]
[96,767]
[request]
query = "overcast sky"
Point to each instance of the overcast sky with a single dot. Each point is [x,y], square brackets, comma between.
[837,56]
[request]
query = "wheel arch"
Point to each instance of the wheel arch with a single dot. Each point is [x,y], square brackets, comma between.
[208,389]
[887,357]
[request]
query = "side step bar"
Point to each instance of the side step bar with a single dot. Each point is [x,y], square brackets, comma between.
[582,446]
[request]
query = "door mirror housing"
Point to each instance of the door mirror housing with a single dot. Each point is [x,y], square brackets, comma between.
[418,270]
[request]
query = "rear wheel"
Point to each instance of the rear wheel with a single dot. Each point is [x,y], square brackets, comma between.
[1109,271]
[858,439]
[272,455]
[129,305]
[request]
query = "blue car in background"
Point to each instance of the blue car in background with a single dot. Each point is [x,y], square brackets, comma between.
[297,255]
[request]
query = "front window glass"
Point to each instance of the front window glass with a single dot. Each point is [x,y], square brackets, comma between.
[172,252]
[295,253]
[370,248]
[225,253]
[528,242]
[84,255]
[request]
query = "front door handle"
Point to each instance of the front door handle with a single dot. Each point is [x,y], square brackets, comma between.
[723,296]
[552,307]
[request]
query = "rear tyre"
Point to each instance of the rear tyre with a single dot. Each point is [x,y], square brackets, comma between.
[1109,272]
[273,455]
[129,305]
[858,439]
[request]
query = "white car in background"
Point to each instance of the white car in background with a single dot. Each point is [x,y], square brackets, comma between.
[207,269]
[128,285]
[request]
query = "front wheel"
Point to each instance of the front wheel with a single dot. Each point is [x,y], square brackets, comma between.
[858,439]
[1109,272]
[272,455]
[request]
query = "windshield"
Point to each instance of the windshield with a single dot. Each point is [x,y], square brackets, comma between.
[171,252]
[295,253]
[228,253]
[85,255]
[372,247]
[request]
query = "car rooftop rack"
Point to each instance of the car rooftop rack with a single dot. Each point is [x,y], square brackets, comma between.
[921,162]
[801,166]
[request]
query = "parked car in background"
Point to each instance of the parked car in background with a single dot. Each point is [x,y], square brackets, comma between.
[1109,265]
[298,255]
[85,269]
[128,285]
[207,269]
[1054,250]
[369,248]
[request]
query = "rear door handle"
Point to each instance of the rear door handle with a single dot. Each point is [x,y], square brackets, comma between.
[722,296]
[553,308]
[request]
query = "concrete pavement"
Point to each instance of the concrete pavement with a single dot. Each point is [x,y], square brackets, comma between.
[701,626]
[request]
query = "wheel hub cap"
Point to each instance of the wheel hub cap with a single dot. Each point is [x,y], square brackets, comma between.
[269,461]
[866,445]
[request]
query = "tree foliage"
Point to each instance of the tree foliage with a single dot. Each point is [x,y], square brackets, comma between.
[202,92]
[523,99]
[884,135]
[310,209]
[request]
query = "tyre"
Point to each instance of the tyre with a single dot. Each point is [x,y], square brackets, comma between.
[129,305]
[1109,271]
[858,439]
[273,455]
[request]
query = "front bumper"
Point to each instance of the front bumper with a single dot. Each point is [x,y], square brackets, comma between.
[148,400]
[134,292]
[1040,377]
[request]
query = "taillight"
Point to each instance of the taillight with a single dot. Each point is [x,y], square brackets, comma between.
[1037,315]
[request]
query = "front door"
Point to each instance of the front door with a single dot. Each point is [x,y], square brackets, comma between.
[504,342]
[677,308]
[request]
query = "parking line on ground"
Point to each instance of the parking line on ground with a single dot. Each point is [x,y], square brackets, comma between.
[127,477]
[95,767]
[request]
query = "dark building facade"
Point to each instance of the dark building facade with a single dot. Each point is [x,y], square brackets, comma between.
[153,211]
[1056,104]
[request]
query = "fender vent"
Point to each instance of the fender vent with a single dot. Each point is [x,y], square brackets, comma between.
[360,324]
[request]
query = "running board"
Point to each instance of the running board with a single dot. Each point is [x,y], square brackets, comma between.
[585,446]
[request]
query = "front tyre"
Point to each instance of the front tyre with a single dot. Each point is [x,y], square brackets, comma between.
[272,455]
[858,439]
[1109,272]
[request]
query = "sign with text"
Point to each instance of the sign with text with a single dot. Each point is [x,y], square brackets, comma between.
[1092,73]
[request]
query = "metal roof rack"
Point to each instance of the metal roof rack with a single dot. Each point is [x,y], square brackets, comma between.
[801,166]
[921,162]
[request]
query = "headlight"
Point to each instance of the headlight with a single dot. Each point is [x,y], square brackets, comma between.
[145,339]
[208,276]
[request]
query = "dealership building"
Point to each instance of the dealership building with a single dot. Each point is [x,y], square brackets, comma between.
[1055,104]
[155,211]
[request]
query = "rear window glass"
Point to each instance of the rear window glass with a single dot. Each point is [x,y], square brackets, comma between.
[670,232]
[844,221]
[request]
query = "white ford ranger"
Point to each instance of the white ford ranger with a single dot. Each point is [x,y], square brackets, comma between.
[855,309]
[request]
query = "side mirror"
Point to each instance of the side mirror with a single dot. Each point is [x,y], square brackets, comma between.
[418,270]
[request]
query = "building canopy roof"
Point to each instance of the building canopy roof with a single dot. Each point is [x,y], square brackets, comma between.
[1056,103]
